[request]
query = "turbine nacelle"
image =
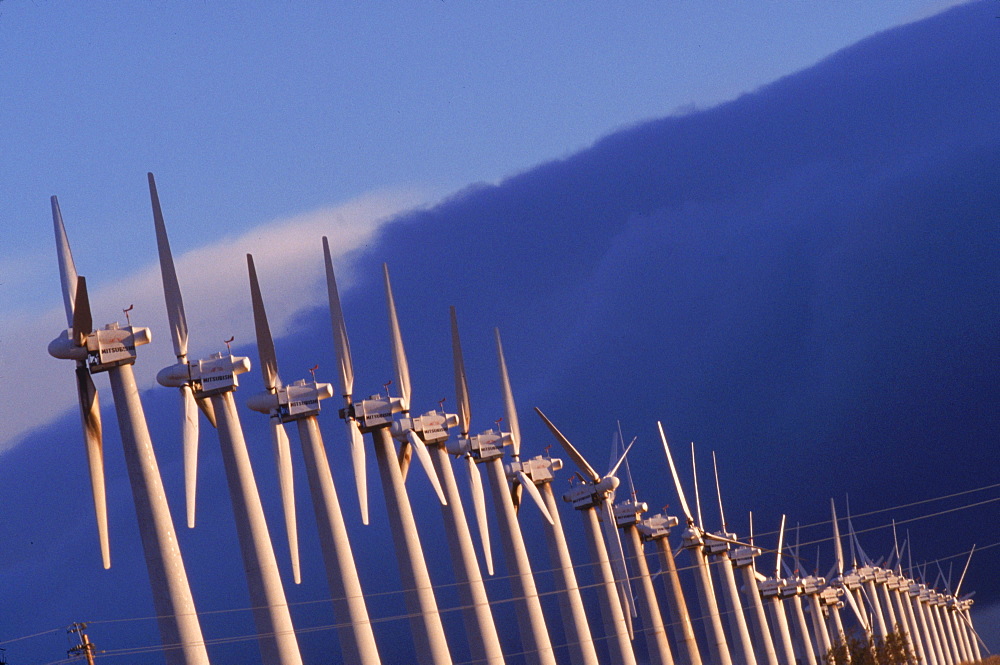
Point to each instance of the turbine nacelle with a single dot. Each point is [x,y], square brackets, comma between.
[112,346]
[850,581]
[656,526]
[292,402]
[627,512]
[744,556]
[539,469]
[830,596]
[716,546]
[812,585]
[587,495]
[212,376]
[773,587]
[483,447]
[373,413]
[432,427]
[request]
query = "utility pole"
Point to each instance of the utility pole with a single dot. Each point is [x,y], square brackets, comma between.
[85,647]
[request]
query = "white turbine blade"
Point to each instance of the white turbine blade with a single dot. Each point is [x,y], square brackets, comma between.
[67,269]
[171,289]
[358,461]
[283,460]
[718,491]
[398,352]
[479,504]
[781,545]
[536,496]
[677,480]
[964,571]
[82,322]
[510,410]
[617,556]
[862,619]
[189,412]
[570,450]
[403,457]
[837,547]
[697,494]
[265,344]
[345,368]
[420,448]
[621,459]
[461,385]
[90,413]
[205,404]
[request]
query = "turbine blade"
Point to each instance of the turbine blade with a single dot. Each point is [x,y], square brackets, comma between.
[283,460]
[171,289]
[515,496]
[420,448]
[403,457]
[479,503]
[510,410]
[398,352]
[82,322]
[265,344]
[697,494]
[461,385]
[205,404]
[358,461]
[67,269]
[617,556]
[570,450]
[837,547]
[718,491]
[90,413]
[189,412]
[964,571]
[781,546]
[621,459]
[862,619]
[536,496]
[345,368]
[677,480]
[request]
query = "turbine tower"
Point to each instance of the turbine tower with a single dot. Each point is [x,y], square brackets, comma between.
[112,350]
[299,402]
[429,433]
[596,491]
[375,416]
[774,590]
[693,542]
[215,379]
[487,449]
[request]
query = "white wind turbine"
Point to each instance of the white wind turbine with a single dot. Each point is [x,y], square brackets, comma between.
[596,492]
[112,350]
[717,546]
[849,583]
[743,560]
[774,590]
[487,449]
[628,513]
[896,585]
[299,402]
[656,528]
[431,431]
[214,379]
[538,471]
[693,542]
[375,416]
[795,581]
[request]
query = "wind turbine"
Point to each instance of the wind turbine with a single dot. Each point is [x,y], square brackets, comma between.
[693,541]
[896,584]
[538,471]
[962,607]
[627,515]
[798,612]
[299,402]
[431,432]
[593,493]
[774,590]
[215,379]
[717,547]
[487,449]
[112,350]
[743,560]
[375,416]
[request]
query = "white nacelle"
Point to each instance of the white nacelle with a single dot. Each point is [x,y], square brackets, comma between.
[374,412]
[208,377]
[627,512]
[656,526]
[103,349]
[539,469]
[301,399]
[485,446]
[744,556]
[831,596]
[789,588]
[771,588]
[713,546]
[432,427]
[812,584]
[586,495]
[851,580]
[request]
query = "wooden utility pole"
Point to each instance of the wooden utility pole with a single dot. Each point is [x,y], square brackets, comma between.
[85,647]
